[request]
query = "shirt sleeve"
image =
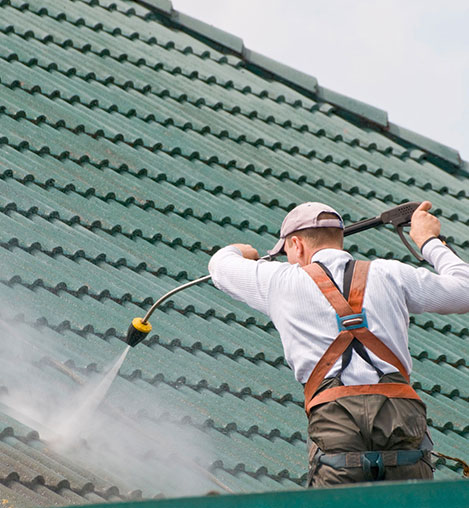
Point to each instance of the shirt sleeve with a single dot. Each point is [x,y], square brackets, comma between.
[444,292]
[243,279]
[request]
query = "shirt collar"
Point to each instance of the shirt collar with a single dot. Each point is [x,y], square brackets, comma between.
[329,255]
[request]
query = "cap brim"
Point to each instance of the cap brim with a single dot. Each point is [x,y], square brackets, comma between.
[278,248]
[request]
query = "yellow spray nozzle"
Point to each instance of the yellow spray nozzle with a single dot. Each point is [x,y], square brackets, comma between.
[137,331]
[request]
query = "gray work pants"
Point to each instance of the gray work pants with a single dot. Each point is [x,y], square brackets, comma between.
[366,423]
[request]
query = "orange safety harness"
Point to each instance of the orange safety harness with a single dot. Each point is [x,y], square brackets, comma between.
[353,334]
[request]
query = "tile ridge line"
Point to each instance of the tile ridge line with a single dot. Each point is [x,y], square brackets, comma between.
[307,83]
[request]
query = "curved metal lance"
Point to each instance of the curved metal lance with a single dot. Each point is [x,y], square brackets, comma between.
[140,328]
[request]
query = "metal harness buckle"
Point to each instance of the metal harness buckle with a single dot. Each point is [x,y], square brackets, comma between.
[352,321]
[371,462]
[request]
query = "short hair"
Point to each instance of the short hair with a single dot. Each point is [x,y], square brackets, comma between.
[316,237]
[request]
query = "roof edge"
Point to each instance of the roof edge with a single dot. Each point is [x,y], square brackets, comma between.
[308,83]
[445,152]
[465,167]
[409,494]
[211,32]
[359,108]
[287,73]
[163,6]
[225,39]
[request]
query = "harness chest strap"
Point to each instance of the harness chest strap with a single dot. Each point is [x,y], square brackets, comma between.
[344,308]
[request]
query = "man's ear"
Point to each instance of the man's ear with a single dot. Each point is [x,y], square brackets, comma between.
[298,244]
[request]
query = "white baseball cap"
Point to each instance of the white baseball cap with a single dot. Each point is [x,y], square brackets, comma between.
[305,216]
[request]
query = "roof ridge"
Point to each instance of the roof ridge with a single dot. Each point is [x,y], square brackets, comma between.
[308,84]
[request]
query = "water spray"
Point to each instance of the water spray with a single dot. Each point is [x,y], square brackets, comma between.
[87,410]
[399,217]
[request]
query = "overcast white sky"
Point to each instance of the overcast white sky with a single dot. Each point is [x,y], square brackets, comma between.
[408,57]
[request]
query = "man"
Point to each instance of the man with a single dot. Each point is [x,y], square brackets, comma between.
[365,420]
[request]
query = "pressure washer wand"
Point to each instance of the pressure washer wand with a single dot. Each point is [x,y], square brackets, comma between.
[140,328]
[184,286]
[398,216]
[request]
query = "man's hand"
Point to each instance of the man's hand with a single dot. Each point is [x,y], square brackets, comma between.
[423,224]
[248,251]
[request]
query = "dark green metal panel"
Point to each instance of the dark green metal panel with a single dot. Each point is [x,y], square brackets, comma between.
[397,495]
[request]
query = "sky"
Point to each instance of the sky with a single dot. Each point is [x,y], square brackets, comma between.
[407,57]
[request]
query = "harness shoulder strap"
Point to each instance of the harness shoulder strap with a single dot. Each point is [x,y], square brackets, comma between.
[348,273]
[355,345]
[328,289]
[345,308]
[357,289]
[326,362]
[328,273]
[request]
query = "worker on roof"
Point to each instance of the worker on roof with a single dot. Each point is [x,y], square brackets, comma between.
[343,325]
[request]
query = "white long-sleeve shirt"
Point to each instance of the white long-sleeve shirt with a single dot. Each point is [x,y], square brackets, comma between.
[307,323]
